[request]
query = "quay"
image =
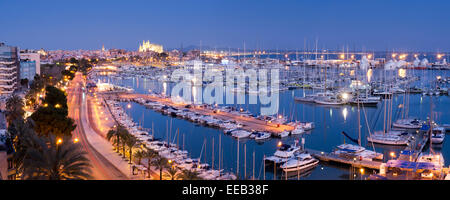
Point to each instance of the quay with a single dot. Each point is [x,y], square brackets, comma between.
[327,157]
[248,123]
[415,149]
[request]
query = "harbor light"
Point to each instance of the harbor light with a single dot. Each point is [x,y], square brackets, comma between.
[59,141]
[75,140]
[129,106]
[439,56]
[279,144]
[342,56]
[57,106]
[369,56]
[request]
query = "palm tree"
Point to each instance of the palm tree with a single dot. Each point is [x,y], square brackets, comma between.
[161,164]
[113,134]
[14,108]
[119,133]
[22,135]
[131,142]
[172,174]
[139,155]
[189,175]
[150,154]
[53,160]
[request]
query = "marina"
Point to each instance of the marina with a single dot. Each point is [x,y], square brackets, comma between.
[246,127]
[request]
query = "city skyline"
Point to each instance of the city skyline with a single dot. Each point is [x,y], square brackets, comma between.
[285,25]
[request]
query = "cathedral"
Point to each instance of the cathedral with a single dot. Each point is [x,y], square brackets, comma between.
[147,46]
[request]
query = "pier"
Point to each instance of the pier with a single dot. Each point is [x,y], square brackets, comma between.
[422,140]
[327,157]
[249,123]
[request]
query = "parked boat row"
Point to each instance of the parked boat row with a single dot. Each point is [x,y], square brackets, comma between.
[168,150]
[232,127]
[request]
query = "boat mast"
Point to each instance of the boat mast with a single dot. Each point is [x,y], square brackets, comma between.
[253,177]
[431,124]
[220,146]
[357,103]
[237,166]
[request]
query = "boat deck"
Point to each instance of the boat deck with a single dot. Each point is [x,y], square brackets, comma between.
[249,123]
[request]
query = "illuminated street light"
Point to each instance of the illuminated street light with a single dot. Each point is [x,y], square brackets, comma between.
[59,141]
[76,140]
[392,154]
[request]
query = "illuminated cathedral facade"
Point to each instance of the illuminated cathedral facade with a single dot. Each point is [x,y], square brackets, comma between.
[147,46]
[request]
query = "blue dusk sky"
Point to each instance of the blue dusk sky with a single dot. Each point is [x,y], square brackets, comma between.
[370,25]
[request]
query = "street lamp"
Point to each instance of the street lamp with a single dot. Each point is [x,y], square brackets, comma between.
[59,141]
[392,154]
[362,172]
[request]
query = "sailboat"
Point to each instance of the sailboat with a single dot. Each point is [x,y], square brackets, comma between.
[388,136]
[408,123]
[357,151]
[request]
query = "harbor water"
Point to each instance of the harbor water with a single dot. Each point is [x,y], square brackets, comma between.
[330,121]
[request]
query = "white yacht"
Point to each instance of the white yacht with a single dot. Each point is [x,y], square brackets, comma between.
[240,134]
[389,138]
[329,101]
[297,131]
[283,134]
[300,162]
[286,151]
[357,152]
[437,159]
[262,136]
[410,123]
[438,135]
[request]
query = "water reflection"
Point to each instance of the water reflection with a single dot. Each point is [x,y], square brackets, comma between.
[344,113]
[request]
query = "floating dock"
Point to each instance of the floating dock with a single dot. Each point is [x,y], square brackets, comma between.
[324,156]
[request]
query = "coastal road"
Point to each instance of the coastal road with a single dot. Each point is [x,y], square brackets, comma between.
[102,169]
